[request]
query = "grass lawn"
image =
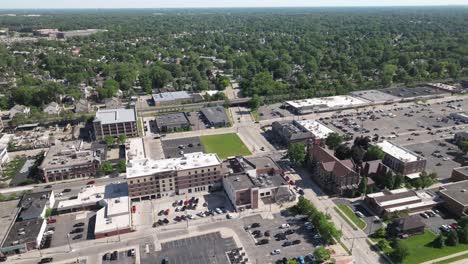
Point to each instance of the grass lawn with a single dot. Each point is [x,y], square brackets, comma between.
[255,115]
[351,215]
[225,145]
[451,260]
[13,167]
[421,250]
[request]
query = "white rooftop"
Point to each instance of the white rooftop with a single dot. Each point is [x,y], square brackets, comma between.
[332,101]
[135,149]
[397,151]
[115,215]
[143,167]
[318,129]
[171,96]
[118,115]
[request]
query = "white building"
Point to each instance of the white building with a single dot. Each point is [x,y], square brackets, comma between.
[325,104]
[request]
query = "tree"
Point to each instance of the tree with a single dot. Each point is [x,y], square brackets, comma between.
[121,139]
[322,254]
[292,261]
[109,140]
[380,233]
[362,188]
[452,238]
[333,140]
[374,153]
[384,245]
[389,182]
[121,166]
[343,152]
[255,102]
[357,154]
[400,251]
[399,179]
[297,153]
[463,146]
[463,233]
[439,241]
[106,168]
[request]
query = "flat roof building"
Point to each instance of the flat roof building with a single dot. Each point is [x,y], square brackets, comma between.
[168,98]
[289,133]
[8,214]
[402,160]
[324,104]
[115,122]
[70,160]
[459,174]
[172,122]
[193,172]
[318,130]
[216,116]
[455,196]
[375,96]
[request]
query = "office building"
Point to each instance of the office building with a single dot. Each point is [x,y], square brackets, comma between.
[215,116]
[115,122]
[455,197]
[172,122]
[169,98]
[402,160]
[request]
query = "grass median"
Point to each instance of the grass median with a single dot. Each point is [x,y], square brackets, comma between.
[352,216]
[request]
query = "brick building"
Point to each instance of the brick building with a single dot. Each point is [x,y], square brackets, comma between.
[115,122]
[402,160]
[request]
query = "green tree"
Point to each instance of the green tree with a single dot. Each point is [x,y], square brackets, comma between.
[322,254]
[106,168]
[384,245]
[439,241]
[399,179]
[333,140]
[109,140]
[463,146]
[122,139]
[463,234]
[380,233]
[452,238]
[374,153]
[121,166]
[343,152]
[362,188]
[400,251]
[297,153]
[292,261]
[255,102]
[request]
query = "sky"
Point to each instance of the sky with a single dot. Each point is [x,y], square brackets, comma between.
[26,4]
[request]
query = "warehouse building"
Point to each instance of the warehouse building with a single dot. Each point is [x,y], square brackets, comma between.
[172,122]
[332,103]
[169,98]
[215,116]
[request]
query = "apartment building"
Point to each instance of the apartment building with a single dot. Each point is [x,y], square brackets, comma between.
[402,160]
[193,172]
[115,122]
[70,160]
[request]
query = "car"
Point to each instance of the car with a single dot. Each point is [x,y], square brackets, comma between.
[300,191]
[79,236]
[424,215]
[218,211]
[91,182]
[263,241]
[259,235]
[296,242]
[166,221]
[267,233]
[46,260]
[167,212]
[310,258]
[454,226]
[66,190]
[76,230]
[50,232]
[79,224]
[51,220]
[275,252]
[284,226]
[255,225]
[228,216]
[287,244]
[300,259]
[165,261]
[290,231]
[430,213]
[52,228]
[256,232]
[161,212]
[131,252]
[106,256]
[114,255]
[358,213]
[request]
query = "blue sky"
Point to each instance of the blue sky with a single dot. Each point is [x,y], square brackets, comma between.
[214,3]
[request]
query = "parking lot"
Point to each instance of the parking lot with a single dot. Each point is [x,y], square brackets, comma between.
[266,112]
[196,121]
[149,212]
[119,257]
[298,232]
[74,227]
[174,148]
[441,155]
[203,249]
[369,218]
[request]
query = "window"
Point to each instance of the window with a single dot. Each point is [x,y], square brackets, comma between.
[131,182]
[208,169]
[214,169]
[144,180]
[202,171]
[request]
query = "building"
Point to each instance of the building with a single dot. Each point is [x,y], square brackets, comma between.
[169,98]
[459,117]
[172,122]
[216,116]
[332,103]
[288,133]
[115,122]
[53,109]
[390,201]
[112,204]
[193,172]
[446,87]
[460,136]
[402,160]
[82,106]
[78,33]
[407,226]
[112,103]
[70,160]
[4,157]
[459,174]
[249,180]
[46,32]
[318,130]
[19,109]
[331,174]
[8,214]
[455,197]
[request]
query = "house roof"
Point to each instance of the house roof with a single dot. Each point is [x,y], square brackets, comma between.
[330,163]
[410,222]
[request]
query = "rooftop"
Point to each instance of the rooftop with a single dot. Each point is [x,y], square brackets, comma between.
[118,115]
[174,119]
[318,129]
[143,167]
[419,91]
[457,191]
[292,131]
[171,96]
[135,148]
[402,199]
[215,114]
[240,181]
[398,152]
[23,232]
[91,195]
[33,204]
[374,96]
[69,153]
[327,102]
[8,215]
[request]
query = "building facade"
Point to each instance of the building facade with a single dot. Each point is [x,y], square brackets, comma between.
[115,122]
[402,160]
[191,173]
[455,197]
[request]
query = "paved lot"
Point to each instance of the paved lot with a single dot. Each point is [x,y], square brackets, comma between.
[175,147]
[153,148]
[434,223]
[64,226]
[204,249]
[272,111]
[371,227]
[196,121]
[451,157]
[123,258]
[263,252]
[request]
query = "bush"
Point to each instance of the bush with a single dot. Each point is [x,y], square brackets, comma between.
[439,241]
[452,239]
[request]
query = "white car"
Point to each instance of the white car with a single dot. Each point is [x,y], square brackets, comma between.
[58,194]
[201,214]
[218,211]
[285,226]
[359,214]
[276,252]
[50,232]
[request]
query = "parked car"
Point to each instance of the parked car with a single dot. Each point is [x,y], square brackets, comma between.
[300,259]
[287,244]
[275,252]
[91,182]
[46,260]
[79,224]
[131,252]
[424,215]
[290,231]
[255,225]
[263,241]
[296,242]
[358,213]
[79,236]
[285,226]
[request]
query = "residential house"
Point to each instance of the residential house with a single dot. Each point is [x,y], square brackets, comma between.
[53,109]
[407,226]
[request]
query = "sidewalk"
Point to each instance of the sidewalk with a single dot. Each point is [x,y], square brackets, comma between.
[449,257]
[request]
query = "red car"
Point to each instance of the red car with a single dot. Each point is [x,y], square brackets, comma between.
[167,212]
[91,182]
[454,225]
[51,220]
[187,202]
[133,208]
[291,182]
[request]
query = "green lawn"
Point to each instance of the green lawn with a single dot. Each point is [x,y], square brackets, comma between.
[352,216]
[454,259]
[13,167]
[421,250]
[225,145]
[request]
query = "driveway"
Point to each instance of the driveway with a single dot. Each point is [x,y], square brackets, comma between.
[368,216]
